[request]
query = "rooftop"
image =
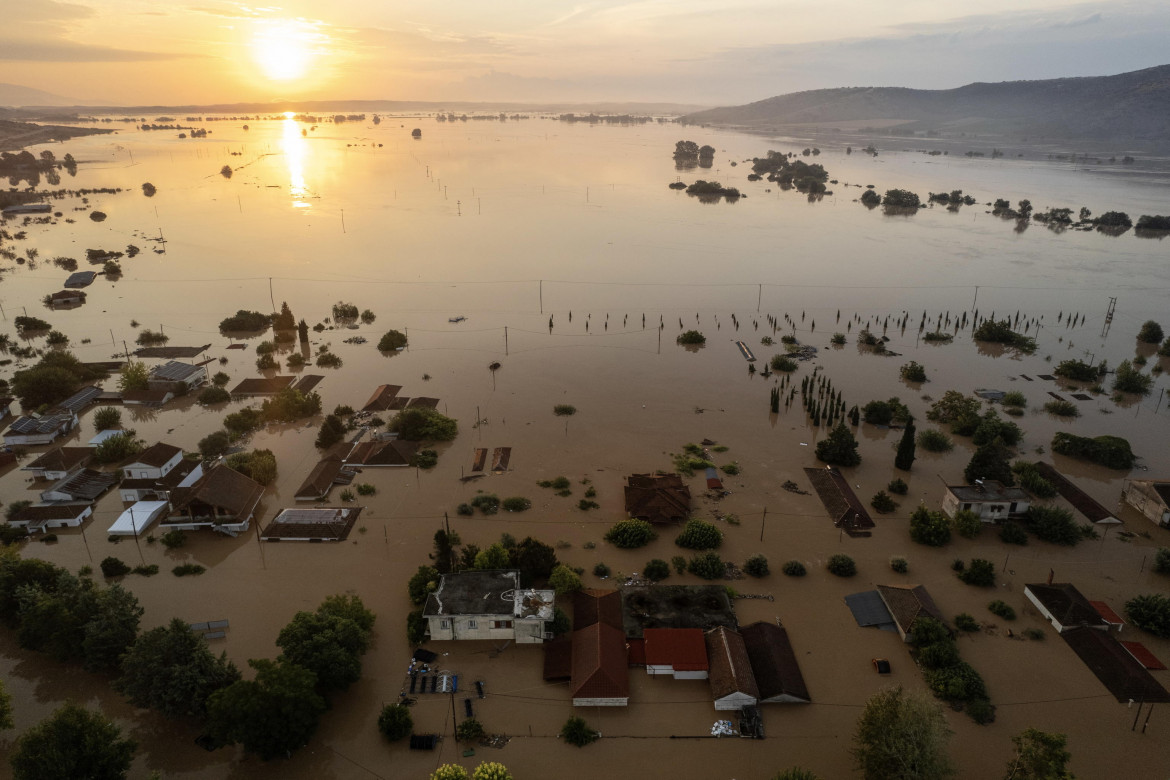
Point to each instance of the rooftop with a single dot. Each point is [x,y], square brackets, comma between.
[262,385]
[174,371]
[223,487]
[330,523]
[81,399]
[382,399]
[1117,669]
[591,605]
[1085,504]
[320,479]
[47,423]
[156,455]
[683,649]
[773,661]
[474,593]
[907,603]
[56,511]
[86,484]
[1066,604]
[657,498]
[61,459]
[386,452]
[990,490]
[731,668]
[600,664]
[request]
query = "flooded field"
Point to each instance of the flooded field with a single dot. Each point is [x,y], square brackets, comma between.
[554,240]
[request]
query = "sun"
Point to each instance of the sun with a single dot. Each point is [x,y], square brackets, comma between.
[284,48]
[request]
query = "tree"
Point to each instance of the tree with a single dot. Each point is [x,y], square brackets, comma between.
[1111,451]
[841,565]
[469,730]
[1040,755]
[491,770]
[929,527]
[56,377]
[425,580]
[395,722]
[1162,560]
[577,732]
[968,524]
[1150,612]
[494,557]
[257,465]
[991,461]
[285,320]
[699,535]
[450,772]
[707,565]
[535,560]
[72,743]
[656,569]
[1129,379]
[107,417]
[1054,524]
[905,457]
[392,340]
[135,376]
[840,448]
[332,431]
[980,572]
[755,566]
[272,715]
[215,444]
[329,643]
[118,447]
[630,534]
[1151,333]
[170,669]
[564,580]
[902,736]
[290,405]
[423,424]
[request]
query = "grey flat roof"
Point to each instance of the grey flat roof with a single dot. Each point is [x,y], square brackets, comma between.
[474,593]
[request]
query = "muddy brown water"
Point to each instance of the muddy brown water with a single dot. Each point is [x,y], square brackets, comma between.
[467,221]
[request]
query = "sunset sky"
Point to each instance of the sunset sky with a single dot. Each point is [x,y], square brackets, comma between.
[708,53]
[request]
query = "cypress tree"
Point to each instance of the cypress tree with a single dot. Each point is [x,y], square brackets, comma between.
[905,457]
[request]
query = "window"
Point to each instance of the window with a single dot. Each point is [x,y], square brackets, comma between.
[501,624]
[472,624]
[966,507]
[445,625]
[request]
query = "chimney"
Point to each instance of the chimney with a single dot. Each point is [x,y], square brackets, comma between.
[1051,573]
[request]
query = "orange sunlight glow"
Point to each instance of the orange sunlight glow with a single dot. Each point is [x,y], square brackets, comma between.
[285,49]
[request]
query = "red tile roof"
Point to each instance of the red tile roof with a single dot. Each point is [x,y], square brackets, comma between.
[597,606]
[1143,655]
[682,649]
[731,668]
[1106,611]
[657,498]
[600,663]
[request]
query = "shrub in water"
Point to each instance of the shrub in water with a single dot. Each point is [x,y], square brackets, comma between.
[794,569]
[842,565]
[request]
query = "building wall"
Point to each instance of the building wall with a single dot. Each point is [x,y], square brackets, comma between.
[690,675]
[984,509]
[734,701]
[615,702]
[460,627]
[659,669]
[1147,505]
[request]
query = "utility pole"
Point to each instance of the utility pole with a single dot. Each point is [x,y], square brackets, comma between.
[505,339]
[762,519]
[1108,317]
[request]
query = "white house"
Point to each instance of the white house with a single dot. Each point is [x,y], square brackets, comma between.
[488,605]
[175,375]
[990,500]
[1064,606]
[39,517]
[33,429]
[733,684]
[156,471]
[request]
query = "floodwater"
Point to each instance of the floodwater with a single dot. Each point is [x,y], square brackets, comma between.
[511,224]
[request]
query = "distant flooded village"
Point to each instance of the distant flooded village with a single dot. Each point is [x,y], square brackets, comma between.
[345,445]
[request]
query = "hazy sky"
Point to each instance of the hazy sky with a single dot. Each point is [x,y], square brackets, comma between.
[709,53]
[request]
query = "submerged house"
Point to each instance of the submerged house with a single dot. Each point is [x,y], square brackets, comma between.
[991,501]
[385,398]
[156,471]
[906,604]
[733,684]
[39,517]
[1150,497]
[777,673]
[222,499]
[657,498]
[1064,606]
[488,605]
[382,453]
[177,377]
[34,429]
[80,485]
[59,463]
[328,472]
[600,667]
[679,652]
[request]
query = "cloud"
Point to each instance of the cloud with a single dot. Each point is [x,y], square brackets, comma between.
[50,50]
[31,11]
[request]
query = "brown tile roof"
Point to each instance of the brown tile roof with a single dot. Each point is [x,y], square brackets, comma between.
[1066,604]
[320,479]
[1086,504]
[600,666]
[591,605]
[658,499]
[49,512]
[262,385]
[907,603]
[683,649]
[382,398]
[61,459]
[389,452]
[157,455]
[731,668]
[1115,667]
[773,662]
[221,487]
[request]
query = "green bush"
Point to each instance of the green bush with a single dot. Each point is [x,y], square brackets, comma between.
[366,489]
[1128,379]
[174,539]
[630,534]
[107,417]
[898,487]
[1014,398]
[1111,451]
[1001,609]
[1012,533]
[965,622]
[1151,613]
[1062,408]
[488,503]
[423,424]
[465,510]
[1077,370]
[1002,333]
[600,570]
[929,527]
[782,363]
[1035,634]
[1030,479]
[516,504]
[731,469]
[214,395]
[933,440]
[794,569]
[1151,333]
[469,730]
[585,505]
[577,732]
[699,535]
[679,563]
[113,567]
[967,524]
[842,565]
[391,341]
[691,337]
[756,566]
[425,459]
[1053,524]
[980,573]
[656,569]
[839,448]
[913,372]
[882,502]
[395,722]
[956,683]
[900,565]
[188,569]
[1162,561]
[707,565]
[564,410]
[981,711]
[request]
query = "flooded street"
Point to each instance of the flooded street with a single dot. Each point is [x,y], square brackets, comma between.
[554,240]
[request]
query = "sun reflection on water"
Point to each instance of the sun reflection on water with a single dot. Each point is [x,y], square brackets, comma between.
[295,149]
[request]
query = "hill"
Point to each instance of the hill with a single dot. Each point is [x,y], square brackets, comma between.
[16,95]
[1129,105]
